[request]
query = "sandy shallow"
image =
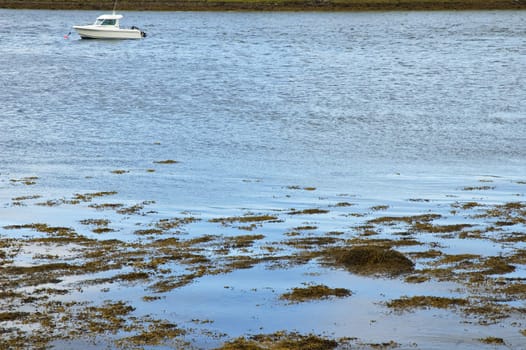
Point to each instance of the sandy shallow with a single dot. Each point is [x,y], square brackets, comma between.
[96,270]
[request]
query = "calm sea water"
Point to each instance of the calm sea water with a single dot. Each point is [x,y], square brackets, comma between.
[343,101]
[383,107]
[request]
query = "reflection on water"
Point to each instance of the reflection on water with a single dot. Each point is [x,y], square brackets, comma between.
[398,109]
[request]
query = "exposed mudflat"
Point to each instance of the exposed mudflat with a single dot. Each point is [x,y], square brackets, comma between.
[268,5]
[104,271]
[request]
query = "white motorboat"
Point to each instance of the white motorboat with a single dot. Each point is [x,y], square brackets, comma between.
[108,27]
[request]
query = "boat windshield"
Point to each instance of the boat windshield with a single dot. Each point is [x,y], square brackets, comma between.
[106,22]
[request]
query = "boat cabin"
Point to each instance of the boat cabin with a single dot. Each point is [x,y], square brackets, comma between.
[108,20]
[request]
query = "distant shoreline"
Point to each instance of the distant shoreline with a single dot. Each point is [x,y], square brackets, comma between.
[268,5]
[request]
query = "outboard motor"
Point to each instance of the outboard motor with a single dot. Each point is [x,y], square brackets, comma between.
[143,34]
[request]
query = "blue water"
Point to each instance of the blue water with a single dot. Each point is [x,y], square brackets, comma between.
[402,109]
[341,101]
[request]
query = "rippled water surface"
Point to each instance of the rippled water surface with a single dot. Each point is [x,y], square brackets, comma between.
[324,98]
[379,106]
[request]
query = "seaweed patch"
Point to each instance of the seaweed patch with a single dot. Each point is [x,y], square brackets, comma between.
[314,292]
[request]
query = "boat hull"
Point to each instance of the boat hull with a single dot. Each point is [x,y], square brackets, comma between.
[96,32]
